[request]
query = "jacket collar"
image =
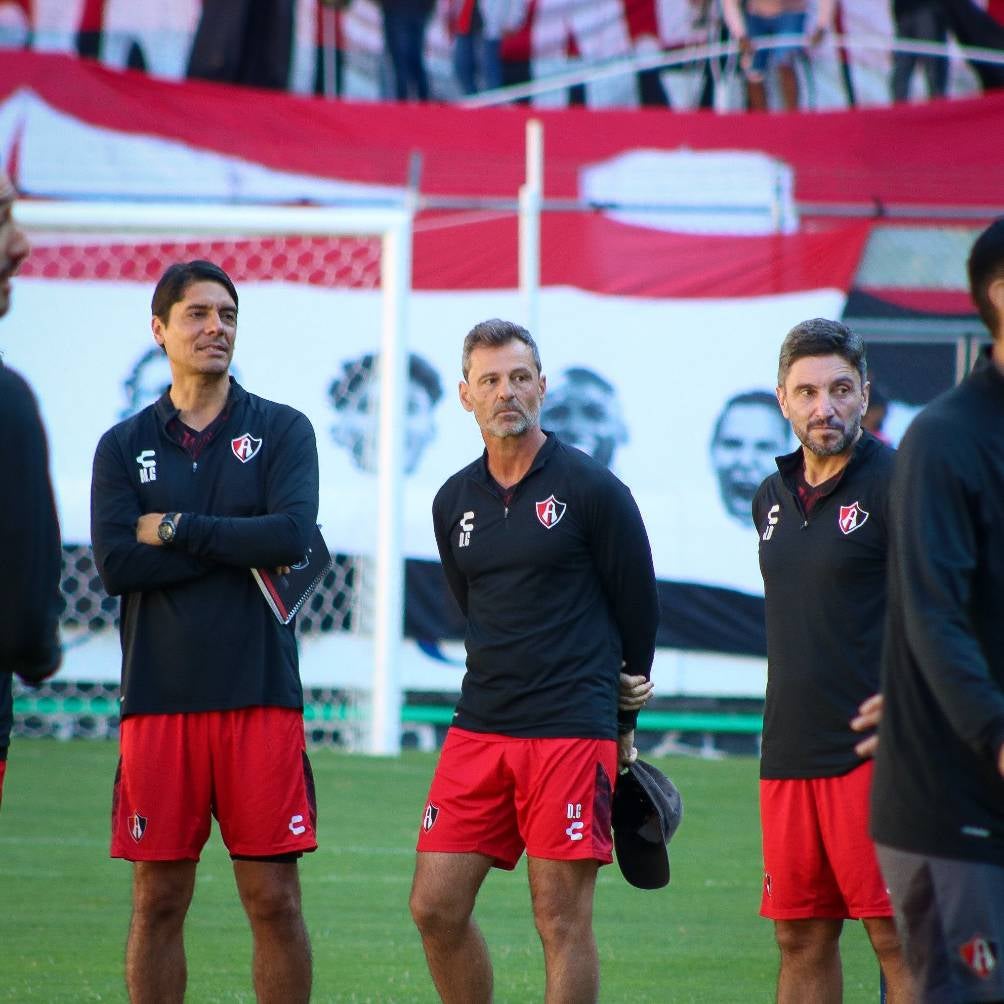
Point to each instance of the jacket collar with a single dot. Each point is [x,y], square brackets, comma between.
[791,463]
[165,410]
[543,455]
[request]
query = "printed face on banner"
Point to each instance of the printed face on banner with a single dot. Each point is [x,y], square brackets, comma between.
[583,409]
[355,396]
[749,433]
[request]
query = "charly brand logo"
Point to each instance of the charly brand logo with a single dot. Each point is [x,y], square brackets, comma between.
[296,826]
[773,518]
[147,461]
[574,815]
[466,527]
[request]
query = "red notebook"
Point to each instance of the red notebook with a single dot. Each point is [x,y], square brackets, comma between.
[285,594]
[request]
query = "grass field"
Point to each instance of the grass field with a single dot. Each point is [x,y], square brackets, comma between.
[64,905]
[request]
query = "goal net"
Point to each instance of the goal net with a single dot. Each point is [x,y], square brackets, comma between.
[323,305]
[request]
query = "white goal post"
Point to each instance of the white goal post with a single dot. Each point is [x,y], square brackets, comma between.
[393,226]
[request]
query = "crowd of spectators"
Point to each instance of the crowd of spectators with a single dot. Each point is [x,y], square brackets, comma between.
[445,50]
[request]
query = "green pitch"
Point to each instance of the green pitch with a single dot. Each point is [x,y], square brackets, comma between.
[64,905]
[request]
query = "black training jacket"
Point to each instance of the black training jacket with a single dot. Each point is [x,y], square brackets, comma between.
[937,788]
[197,635]
[825,589]
[557,589]
[29,541]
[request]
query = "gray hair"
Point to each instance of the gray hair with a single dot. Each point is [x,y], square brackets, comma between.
[493,334]
[821,337]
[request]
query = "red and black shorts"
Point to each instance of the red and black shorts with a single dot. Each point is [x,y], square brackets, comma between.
[496,795]
[247,767]
[819,860]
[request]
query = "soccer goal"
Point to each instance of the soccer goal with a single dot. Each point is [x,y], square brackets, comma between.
[318,286]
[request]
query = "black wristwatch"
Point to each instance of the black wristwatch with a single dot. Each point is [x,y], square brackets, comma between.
[168,527]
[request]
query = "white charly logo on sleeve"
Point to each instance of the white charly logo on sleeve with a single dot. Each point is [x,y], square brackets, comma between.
[466,526]
[296,826]
[147,461]
[772,521]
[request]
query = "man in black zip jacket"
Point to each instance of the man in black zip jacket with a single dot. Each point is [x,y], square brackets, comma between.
[822,525]
[187,497]
[29,530]
[548,558]
[938,798]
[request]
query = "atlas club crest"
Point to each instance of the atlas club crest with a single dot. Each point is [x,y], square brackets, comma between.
[851,517]
[550,511]
[245,447]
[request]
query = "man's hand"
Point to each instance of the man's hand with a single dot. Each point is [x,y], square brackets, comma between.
[635,692]
[626,753]
[868,717]
[146,528]
[1000,760]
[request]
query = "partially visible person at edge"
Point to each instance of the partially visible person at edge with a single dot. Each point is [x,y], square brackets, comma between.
[187,497]
[823,527]
[29,529]
[938,797]
[548,558]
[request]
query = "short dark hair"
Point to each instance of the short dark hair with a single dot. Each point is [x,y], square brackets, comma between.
[757,398]
[493,334]
[820,336]
[985,265]
[356,373]
[179,276]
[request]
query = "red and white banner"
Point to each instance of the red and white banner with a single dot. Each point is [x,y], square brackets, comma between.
[652,319]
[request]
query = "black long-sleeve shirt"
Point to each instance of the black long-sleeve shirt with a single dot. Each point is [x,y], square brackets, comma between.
[557,587]
[197,635]
[825,589]
[29,543]
[937,787]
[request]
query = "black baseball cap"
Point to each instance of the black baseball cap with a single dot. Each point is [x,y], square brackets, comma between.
[647,809]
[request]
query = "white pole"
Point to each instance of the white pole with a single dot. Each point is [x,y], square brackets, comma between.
[531,195]
[388,628]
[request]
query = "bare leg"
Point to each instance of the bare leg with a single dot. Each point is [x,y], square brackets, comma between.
[756,95]
[270,892]
[885,941]
[562,894]
[788,79]
[810,961]
[442,906]
[155,970]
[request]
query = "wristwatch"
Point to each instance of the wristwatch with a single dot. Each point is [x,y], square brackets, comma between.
[168,527]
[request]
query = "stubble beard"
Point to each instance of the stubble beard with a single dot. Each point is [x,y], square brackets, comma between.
[843,444]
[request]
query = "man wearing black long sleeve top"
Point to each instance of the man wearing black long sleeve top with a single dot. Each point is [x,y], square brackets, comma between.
[29,531]
[187,497]
[938,797]
[547,556]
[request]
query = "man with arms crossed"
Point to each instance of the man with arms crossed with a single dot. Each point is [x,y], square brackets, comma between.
[822,525]
[938,799]
[188,496]
[546,554]
[29,531]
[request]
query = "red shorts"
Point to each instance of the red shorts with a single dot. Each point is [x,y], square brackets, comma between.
[495,795]
[3,771]
[818,858]
[247,767]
